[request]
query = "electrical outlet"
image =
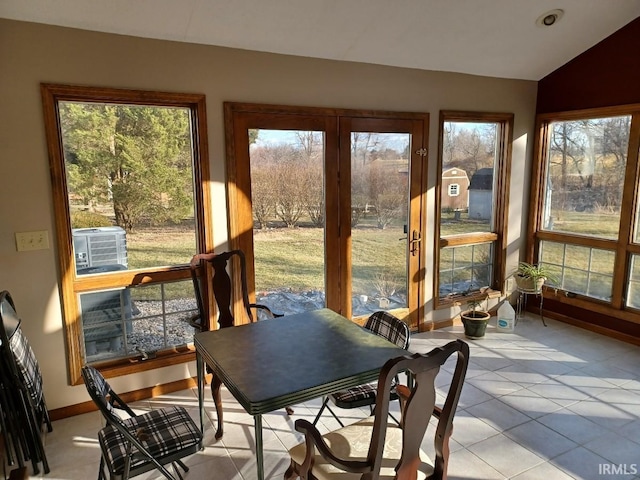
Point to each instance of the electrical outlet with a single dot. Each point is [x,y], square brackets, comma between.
[32,240]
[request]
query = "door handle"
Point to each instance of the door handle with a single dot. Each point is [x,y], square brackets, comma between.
[414,243]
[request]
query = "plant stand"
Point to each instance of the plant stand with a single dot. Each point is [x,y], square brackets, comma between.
[521,304]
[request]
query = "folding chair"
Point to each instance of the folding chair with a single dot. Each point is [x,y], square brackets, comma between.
[387,326]
[24,407]
[140,443]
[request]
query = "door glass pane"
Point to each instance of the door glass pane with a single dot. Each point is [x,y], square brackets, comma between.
[379,217]
[585,176]
[138,321]
[287,197]
[129,175]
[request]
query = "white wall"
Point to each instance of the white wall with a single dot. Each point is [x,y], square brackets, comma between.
[32,53]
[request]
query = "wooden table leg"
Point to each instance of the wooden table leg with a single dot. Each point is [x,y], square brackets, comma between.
[216,383]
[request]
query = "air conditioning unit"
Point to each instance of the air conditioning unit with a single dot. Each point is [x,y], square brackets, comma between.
[99,247]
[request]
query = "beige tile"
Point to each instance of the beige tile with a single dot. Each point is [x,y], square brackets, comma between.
[541,403]
[582,464]
[540,439]
[505,455]
[544,470]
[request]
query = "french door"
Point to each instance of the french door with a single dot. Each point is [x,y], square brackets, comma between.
[328,207]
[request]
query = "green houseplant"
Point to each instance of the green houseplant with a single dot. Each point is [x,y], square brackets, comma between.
[475,319]
[530,278]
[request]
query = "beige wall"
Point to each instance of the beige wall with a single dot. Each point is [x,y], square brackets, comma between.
[32,53]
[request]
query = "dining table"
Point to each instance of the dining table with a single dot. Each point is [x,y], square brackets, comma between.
[284,361]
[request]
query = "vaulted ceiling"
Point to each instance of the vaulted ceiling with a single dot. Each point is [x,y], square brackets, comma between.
[498,38]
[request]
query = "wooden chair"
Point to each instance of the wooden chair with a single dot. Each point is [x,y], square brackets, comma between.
[375,448]
[386,326]
[140,443]
[222,293]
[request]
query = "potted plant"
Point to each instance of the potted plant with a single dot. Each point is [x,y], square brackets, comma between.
[475,319]
[530,278]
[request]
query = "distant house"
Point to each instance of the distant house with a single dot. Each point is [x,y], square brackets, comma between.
[455,189]
[481,194]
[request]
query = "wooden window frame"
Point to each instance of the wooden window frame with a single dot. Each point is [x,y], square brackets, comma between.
[70,285]
[502,172]
[337,123]
[624,246]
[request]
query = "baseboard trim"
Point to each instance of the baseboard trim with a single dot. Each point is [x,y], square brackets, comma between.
[607,332]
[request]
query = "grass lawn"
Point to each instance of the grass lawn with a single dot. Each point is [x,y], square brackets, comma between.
[294,257]
[285,257]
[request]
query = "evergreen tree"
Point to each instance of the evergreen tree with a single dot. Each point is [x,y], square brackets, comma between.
[135,158]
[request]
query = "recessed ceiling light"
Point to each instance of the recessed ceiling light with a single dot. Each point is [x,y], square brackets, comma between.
[550,18]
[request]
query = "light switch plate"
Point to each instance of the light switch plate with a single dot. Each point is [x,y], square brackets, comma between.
[26,241]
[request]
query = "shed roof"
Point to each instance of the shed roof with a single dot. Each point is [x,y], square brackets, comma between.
[482,179]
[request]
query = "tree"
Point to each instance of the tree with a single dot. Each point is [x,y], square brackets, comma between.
[263,179]
[469,147]
[136,158]
[253,135]
[310,164]
[283,183]
[308,142]
[359,192]
[388,192]
[361,145]
[313,192]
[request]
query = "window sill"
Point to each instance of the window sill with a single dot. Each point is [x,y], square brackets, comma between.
[462,300]
[135,365]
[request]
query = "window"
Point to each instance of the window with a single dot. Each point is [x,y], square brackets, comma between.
[586,195]
[474,161]
[127,172]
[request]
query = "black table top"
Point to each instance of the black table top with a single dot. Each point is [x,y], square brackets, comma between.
[283,361]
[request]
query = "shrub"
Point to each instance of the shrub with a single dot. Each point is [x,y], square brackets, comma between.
[84,219]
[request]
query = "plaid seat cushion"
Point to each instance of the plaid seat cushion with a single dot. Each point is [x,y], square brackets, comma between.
[356,396]
[387,326]
[360,396]
[162,432]
[27,365]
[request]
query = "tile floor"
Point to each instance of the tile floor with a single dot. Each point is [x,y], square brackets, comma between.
[548,403]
